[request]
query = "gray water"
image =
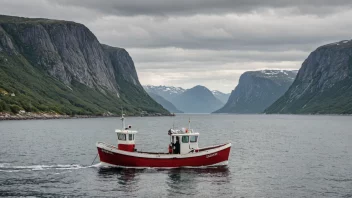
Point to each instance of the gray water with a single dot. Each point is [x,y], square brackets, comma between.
[271,156]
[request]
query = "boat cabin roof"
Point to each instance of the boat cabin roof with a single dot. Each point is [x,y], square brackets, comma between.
[126,131]
[183,134]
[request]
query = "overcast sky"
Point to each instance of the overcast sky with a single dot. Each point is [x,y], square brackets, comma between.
[208,42]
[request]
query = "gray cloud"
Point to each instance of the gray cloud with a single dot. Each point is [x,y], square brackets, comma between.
[193,7]
[179,55]
[261,31]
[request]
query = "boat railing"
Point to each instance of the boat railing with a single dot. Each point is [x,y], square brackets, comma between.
[107,145]
[211,147]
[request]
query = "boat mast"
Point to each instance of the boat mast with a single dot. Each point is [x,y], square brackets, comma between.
[189,124]
[123,120]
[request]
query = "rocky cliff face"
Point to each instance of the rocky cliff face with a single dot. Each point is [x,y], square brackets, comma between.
[68,50]
[70,53]
[122,64]
[323,84]
[257,90]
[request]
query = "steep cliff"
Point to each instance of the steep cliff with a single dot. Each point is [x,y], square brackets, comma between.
[61,66]
[257,90]
[323,84]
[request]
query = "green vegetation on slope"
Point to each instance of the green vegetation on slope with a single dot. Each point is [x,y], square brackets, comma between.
[36,91]
[323,84]
[336,100]
[60,66]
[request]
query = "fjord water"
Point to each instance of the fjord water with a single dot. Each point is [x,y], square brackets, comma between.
[271,156]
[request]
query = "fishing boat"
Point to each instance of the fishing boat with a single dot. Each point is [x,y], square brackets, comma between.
[183,151]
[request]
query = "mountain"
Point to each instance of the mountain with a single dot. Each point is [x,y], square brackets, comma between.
[198,99]
[167,92]
[257,90]
[60,66]
[323,84]
[165,103]
[223,97]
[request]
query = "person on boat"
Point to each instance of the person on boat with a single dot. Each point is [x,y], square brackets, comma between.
[177,146]
[172,145]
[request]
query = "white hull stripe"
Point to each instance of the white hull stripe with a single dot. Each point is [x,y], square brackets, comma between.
[104,164]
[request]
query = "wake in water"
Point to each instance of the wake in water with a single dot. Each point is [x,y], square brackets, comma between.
[6,167]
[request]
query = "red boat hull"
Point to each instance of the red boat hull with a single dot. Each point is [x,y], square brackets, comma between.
[212,156]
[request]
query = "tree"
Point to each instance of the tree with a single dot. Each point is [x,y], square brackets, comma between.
[15,109]
[2,106]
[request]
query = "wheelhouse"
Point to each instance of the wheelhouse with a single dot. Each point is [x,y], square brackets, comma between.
[126,137]
[126,140]
[183,141]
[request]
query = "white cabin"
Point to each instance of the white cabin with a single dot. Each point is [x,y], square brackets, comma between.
[126,140]
[187,139]
[126,137]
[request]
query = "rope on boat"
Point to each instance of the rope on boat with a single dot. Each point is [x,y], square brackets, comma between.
[94,159]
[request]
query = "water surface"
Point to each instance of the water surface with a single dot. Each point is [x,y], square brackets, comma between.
[271,156]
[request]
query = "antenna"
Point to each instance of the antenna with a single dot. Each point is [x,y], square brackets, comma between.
[123,119]
[189,123]
[173,123]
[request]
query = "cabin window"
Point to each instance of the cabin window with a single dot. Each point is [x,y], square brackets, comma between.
[185,139]
[130,136]
[194,138]
[122,136]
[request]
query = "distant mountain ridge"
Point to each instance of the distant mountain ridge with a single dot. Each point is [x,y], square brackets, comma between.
[257,90]
[223,97]
[198,99]
[167,92]
[203,99]
[323,84]
[165,103]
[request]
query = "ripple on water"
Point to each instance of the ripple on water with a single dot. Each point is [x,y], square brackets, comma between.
[271,156]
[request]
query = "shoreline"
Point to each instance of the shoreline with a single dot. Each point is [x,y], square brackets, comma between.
[47,116]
